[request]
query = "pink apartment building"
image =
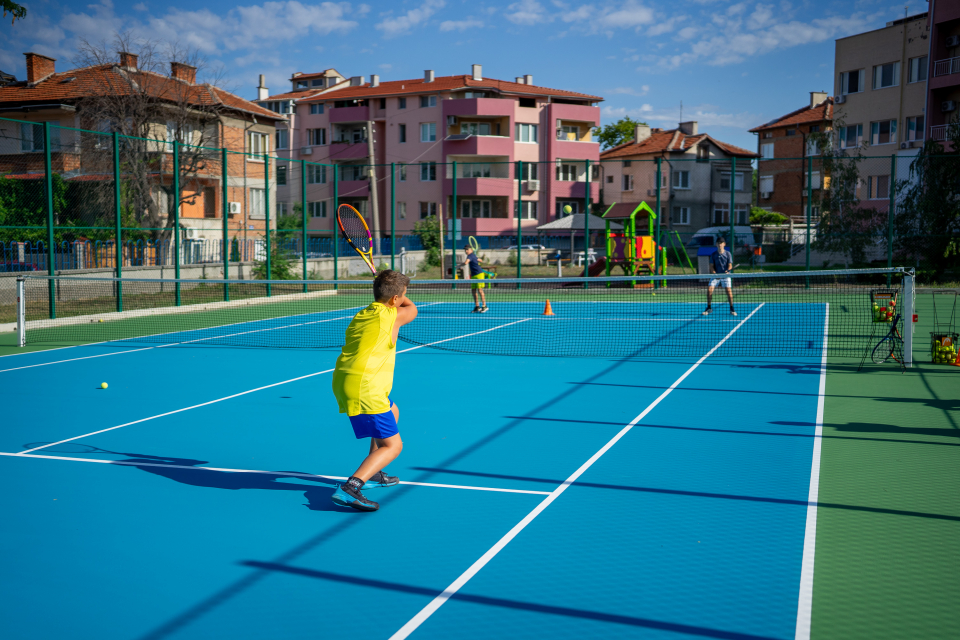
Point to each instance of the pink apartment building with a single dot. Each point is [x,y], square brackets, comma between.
[425,125]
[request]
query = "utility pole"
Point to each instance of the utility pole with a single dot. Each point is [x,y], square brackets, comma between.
[374,205]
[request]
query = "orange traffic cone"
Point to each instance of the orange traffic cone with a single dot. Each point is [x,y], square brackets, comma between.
[956,363]
[548,310]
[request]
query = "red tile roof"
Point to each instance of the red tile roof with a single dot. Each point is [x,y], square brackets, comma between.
[77,84]
[294,95]
[661,141]
[442,83]
[803,115]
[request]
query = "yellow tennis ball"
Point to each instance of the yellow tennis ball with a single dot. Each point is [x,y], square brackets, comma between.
[103,385]
[567,208]
[101,320]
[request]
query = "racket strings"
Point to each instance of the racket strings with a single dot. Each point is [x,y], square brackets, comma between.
[354,228]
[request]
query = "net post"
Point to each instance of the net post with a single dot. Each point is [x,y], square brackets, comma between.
[21,313]
[909,306]
[519,215]
[453,233]
[659,215]
[266,214]
[176,218]
[334,238]
[890,210]
[393,215]
[116,202]
[303,214]
[809,215]
[586,223]
[48,192]
[225,206]
[733,208]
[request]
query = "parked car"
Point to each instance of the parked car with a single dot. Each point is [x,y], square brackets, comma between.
[707,237]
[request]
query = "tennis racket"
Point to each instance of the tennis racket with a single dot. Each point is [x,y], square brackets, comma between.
[473,244]
[355,231]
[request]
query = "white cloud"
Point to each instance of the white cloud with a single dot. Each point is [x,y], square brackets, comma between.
[687,33]
[527,12]
[627,15]
[706,115]
[630,91]
[460,25]
[140,6]
[399,25]
[386,67]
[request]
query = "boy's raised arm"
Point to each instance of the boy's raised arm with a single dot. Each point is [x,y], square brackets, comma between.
[406,312]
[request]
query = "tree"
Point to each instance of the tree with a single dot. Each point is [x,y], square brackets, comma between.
[623,130]
[762,218]
[927,217]
[428,230]
[18,11]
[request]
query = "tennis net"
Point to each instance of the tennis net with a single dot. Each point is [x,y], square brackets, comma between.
[777,314]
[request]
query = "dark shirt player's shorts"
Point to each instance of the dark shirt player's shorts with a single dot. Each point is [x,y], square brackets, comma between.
[375,425]
[724,282]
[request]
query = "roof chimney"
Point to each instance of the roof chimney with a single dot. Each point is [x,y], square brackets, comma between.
[183,72]
[477,72]
[356,81]
[39,67]
[641,133]
[428,75]
[519,79]
[528,79]
[262,92]
[689,127]
[128,60]
[816,97]
[374,80]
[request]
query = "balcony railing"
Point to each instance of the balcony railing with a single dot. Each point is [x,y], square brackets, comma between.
[939,132]
[946,67]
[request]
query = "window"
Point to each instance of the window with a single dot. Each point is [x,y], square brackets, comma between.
[703,153]
[475,94]
[791,132]
[813,149]
[725,181]
[316,137]
[283,209]
[664,179]
[567,172]
[257,208]
[428,171]
[475,128]
[402,172]
[609,179]
[915,128]
[526,133]
[767,135]
[626,183]
[528,210]
[851,136]
[573,204]
[186,133]
[814,128]
[428,132]
[301,84]
[886,75]
[627,163]
[402,210]
[353,172]
[681,179]
[283,139]
[318,82]
[530,171]
[316,174]
[428,101]
[281,174]
[477,170]
[917,69]
[403,132]
[401,103]
[766,151]
[257,144]
[766,184]
[428,209]
[317,209]
[883,132]
[595,173]
[383,103]
[568,132]
[743,214]
[851,82]
[316,109]
[528,102]
[721,214]
[476,209]
[31,136]
[878,187]
[681,215]
[812,180]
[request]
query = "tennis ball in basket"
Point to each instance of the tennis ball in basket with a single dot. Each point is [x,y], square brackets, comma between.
[103,385]
[567,208]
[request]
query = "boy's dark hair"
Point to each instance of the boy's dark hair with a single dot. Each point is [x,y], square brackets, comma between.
[388,284]
[721,240]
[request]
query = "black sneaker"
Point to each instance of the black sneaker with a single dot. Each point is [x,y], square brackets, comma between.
[348,496]
[707,311]
[381,479]
[484,309]
[476,310]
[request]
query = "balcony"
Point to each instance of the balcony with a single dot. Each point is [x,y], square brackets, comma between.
[353,189]
[939,132]
[479,107]
[480,145]
[575,150]
[349,114]
[945,73]
[348,150]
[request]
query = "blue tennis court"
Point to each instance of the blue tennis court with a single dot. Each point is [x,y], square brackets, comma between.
[638,496]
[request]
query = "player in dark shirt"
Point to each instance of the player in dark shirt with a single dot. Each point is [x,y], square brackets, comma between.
[476,273]
[721,263]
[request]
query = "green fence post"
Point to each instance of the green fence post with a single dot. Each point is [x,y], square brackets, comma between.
[453,232]
[116,201]
[48,191]
[266,215]
[225,206]
[393,215]
[334,237]
[586,224]
[176,218]
[519,214]
[659,206]
[303,212]
[890,212]
[732,240]
[809,215]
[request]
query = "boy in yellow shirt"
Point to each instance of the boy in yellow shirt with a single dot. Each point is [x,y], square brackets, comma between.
[362,382]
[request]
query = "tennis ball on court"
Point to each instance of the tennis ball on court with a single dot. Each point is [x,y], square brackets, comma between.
[100,320]
[567,208]
[103,385]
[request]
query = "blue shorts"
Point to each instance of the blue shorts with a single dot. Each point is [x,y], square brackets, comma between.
[375,425]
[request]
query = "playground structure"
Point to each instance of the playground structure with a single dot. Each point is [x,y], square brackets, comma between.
[634,252]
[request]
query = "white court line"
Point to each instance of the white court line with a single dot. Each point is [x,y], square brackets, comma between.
[465,577]
[243,393]
[805,605]
[123,463]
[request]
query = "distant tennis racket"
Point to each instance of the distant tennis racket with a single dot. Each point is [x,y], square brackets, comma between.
[473,244]
[355,230]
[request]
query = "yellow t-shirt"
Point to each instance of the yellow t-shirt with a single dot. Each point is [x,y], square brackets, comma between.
[363,377]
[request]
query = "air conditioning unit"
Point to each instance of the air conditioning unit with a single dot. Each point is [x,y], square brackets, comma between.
[948,105]
[765,195]
[839,99]
[234,208]
[906,145]
[533,185]
[451,120]
[952,41]
[306,151]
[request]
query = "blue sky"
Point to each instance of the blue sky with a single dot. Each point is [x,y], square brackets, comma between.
[734,65]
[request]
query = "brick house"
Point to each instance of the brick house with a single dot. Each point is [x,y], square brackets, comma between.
[784,146]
